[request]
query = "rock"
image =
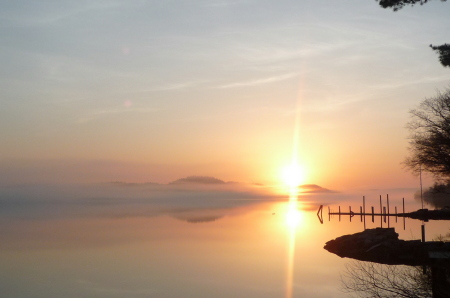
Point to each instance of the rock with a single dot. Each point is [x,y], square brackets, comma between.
[381,245]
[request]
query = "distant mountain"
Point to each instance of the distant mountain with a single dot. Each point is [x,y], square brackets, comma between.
[198,180]
[313,188]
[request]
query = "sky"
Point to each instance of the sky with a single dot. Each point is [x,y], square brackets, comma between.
[153,91]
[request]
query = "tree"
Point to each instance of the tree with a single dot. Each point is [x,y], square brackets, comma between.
[444,53]
[430,137]
[367,279]
[399,4]
[443,50]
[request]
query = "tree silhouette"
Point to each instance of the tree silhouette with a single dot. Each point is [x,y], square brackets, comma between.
[430,137]
[399,4]
[444,53]
[443,50]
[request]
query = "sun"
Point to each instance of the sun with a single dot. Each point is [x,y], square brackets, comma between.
[293,175]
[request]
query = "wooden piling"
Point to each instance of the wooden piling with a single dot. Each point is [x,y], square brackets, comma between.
[384,214]
[364,211]
[381,212]
[423,232]
[388,212]
[404,220]
[396,217]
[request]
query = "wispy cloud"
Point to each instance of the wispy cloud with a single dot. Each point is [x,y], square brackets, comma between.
[411,82]
[95,287]
[260,81]
[223,3]
[38,14]
[172,87]
[119,110]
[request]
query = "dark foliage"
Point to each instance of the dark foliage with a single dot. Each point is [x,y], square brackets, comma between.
[444,53]
[399,4]
[430,137]
[443,50]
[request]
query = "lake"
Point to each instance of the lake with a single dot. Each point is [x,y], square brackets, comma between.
[124,240]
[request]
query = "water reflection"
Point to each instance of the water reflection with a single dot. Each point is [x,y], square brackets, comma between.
[166,241]
[366,279]
[293,218]
[383,274]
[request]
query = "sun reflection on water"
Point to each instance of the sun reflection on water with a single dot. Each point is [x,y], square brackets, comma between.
[293,221]
[293,215]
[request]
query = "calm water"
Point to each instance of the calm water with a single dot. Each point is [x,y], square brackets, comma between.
[160,241]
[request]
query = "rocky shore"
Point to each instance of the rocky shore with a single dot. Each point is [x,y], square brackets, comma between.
[382,245]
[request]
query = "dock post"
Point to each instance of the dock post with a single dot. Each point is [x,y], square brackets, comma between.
[396,214]
[319,214]
[373,215]
[364,211]
[388,212]
[404,220]
[381,213]
[423,232]
[339,213]
[364,204]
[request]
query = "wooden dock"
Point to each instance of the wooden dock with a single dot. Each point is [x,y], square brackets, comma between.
[384,213]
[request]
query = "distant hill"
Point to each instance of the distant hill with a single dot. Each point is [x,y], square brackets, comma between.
[313,188]
[198,180]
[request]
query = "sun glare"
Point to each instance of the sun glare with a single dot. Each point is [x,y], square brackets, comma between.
[293,175]
[293,218]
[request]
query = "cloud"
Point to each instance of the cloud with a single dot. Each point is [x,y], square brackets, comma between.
[39,14]
[170,87]
[407,81]
[222,3]
[127,107]
[260,81]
